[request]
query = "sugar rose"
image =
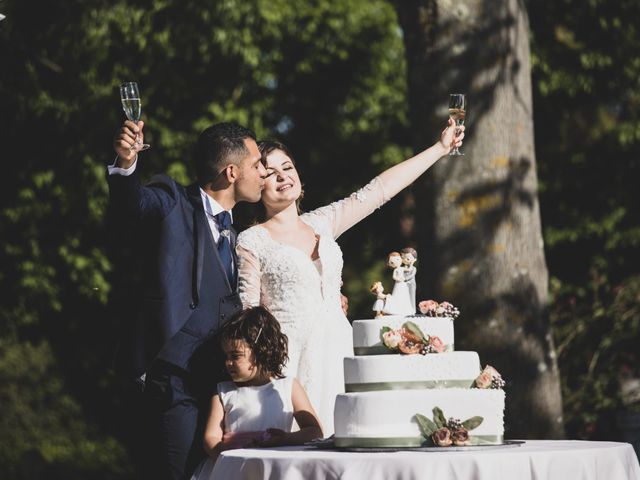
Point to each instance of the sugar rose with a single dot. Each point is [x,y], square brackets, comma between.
[442,437]
[391,339]
[492,371]
[460,437]
[409,347]
[485,378]
[426,306]
[437,344]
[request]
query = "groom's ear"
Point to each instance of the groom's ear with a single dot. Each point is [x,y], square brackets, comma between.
[231,172]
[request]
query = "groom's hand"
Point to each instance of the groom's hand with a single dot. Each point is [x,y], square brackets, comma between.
[124,140]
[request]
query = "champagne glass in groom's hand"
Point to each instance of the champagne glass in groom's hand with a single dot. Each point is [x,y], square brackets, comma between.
[130,97]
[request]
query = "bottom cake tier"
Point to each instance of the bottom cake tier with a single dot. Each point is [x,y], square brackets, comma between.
[388,418]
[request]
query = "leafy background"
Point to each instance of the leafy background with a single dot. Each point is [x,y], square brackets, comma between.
[329,78]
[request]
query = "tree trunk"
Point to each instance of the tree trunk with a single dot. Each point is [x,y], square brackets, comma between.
[478,220]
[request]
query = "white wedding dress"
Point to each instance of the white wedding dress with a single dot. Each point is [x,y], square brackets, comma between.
[304,295]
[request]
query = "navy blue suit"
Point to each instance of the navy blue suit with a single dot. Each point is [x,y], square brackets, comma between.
[185,297]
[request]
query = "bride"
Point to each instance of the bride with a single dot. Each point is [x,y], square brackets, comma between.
[291,264]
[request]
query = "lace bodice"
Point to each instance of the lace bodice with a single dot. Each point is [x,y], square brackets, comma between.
[305,295]
[284,278]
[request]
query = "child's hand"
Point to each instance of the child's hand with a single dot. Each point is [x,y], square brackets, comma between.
[274,437]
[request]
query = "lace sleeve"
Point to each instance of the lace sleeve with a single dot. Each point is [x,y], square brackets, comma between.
[345,213]
[248,277]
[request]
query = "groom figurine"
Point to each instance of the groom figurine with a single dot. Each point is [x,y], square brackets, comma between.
[189,280]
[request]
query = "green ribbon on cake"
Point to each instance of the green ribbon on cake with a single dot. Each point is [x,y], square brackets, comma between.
[413,385]
[382,350]
[403,442]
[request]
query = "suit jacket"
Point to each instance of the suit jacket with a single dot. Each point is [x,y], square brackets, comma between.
[185,294]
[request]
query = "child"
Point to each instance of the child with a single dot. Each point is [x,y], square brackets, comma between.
[378,290]
[256,408]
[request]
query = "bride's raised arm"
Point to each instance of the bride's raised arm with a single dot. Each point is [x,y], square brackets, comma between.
[345,213]
[400,176]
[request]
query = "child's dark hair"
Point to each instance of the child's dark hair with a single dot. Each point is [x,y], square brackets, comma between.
[260,329]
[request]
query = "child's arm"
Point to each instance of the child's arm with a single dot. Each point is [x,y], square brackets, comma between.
[306,418]
[214,429]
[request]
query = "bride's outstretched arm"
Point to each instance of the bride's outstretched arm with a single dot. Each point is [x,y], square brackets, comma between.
[345,213]
[403,174]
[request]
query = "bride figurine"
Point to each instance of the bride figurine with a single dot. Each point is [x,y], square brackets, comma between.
[378,290]
[399,302]
[409,257]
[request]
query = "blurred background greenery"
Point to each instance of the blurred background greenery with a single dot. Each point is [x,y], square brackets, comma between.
[329,78]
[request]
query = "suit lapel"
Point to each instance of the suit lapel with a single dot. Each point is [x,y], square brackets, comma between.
[199,231]
[204,237]
[234,242]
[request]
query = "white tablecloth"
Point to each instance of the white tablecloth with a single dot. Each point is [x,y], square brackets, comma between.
[534,460]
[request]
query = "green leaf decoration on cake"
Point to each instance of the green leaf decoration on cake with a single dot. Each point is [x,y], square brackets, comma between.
[427,427]
[439,418]
[444,433]
[415,329]
[472,423]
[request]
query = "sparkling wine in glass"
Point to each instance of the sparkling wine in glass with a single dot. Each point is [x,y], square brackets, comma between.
[130,97]
[457,112]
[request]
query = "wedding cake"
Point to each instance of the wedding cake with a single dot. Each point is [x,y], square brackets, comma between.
[408,387]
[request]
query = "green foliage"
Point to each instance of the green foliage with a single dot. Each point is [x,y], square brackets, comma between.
[586,81]
[427,427]
[43,428]
[415,329]
[472,422]
[438,417]
[597,331]
[327,77]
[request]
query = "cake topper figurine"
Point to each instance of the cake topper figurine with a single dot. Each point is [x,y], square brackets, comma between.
[378,290]
[409,257]
[401,301]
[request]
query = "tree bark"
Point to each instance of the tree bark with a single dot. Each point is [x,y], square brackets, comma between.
[477,216]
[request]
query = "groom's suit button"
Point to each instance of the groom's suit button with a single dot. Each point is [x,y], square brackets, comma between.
[192,306]
[222,315]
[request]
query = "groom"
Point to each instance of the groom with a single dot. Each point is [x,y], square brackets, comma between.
[190,279]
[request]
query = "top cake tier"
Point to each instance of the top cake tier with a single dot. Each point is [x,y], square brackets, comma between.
[367,334]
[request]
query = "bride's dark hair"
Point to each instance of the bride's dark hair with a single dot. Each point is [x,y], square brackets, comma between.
[261,331]
[266,147]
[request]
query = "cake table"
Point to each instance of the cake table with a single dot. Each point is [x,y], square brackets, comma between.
[534,459]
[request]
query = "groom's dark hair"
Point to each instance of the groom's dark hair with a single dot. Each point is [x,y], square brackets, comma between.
[217,146]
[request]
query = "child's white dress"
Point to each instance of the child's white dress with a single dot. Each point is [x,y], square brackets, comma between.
[252,409]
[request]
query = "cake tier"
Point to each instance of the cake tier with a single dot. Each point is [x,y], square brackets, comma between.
[367,339]
[401,372]
[387,418]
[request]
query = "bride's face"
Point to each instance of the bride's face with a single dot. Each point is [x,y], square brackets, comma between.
[395,261]
[282,185]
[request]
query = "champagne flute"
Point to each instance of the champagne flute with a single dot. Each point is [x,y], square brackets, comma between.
[130,97]
[457,112]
